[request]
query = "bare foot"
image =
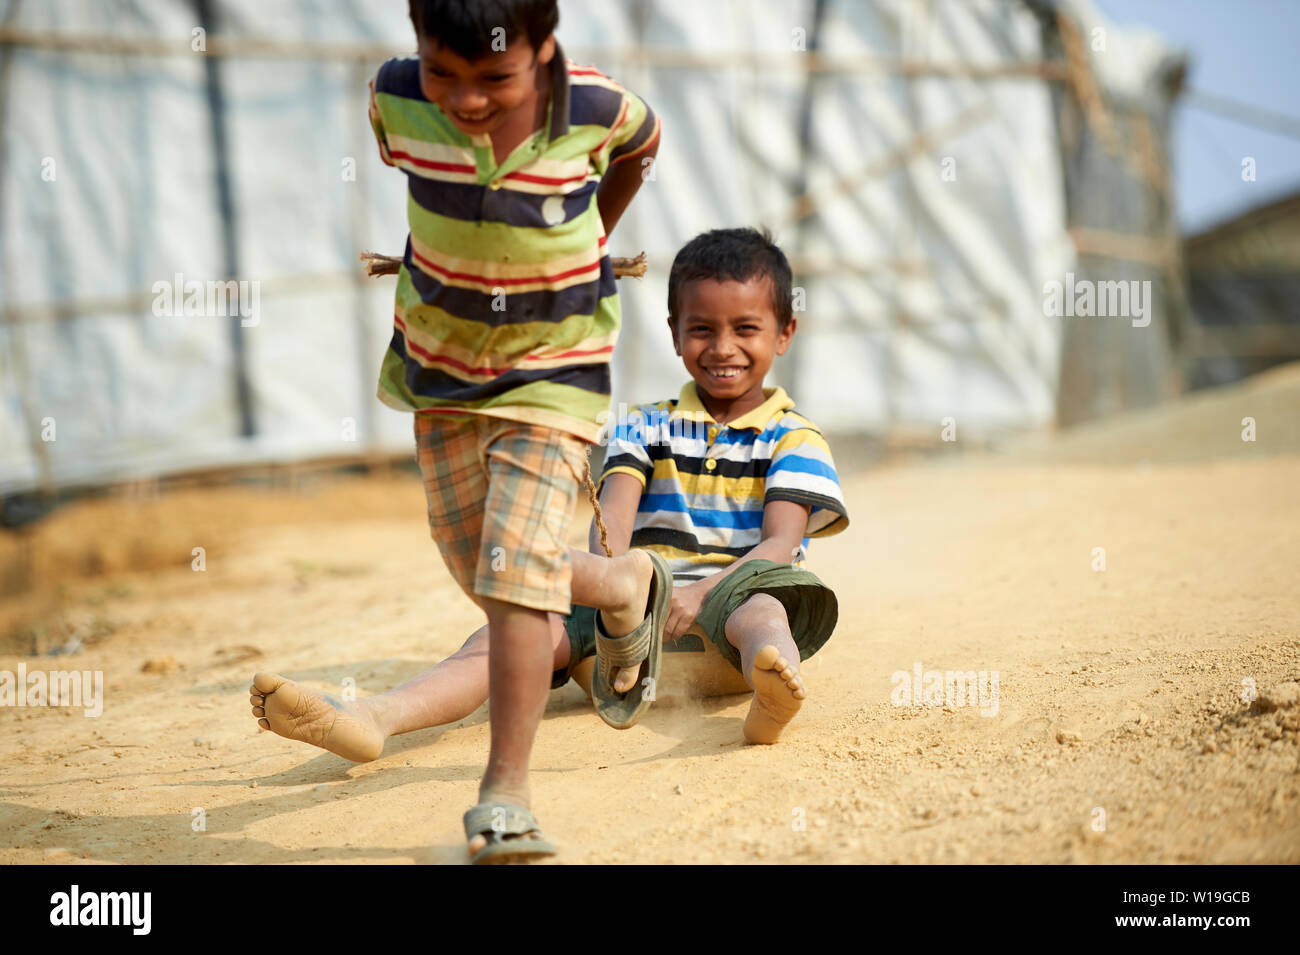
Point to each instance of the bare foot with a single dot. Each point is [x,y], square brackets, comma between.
[295,712]
[778,694]
[623,621]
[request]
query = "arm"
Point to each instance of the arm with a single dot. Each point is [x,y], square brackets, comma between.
[619,496]
[620,184]
[377,120]
[784,523]
[625,474]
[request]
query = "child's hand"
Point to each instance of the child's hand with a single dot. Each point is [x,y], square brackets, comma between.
[686,604]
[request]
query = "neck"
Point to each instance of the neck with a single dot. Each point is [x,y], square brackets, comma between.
[542,98]
[728,409]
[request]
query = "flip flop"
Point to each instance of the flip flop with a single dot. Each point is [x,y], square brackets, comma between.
[497,820]
[643,645]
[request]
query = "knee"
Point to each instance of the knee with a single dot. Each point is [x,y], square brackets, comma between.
[476,643]
[759,612]
[559,636]
[763,606]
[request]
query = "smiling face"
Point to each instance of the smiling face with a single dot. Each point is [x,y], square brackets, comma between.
[482,96]
[728,336]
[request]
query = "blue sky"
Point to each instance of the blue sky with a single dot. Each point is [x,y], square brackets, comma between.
[1247,50]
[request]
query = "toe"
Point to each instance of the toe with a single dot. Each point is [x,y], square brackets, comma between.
[265,724]
[267,683]
[767,658]
[256,700]
[259,711]
[625,678]
[476,845]
[800,694]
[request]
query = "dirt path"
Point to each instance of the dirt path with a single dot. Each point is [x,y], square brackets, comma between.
[1120,732]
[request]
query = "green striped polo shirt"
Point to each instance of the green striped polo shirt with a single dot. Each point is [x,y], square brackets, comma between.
[506,299]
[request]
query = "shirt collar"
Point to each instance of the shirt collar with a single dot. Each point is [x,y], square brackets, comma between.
[690,407]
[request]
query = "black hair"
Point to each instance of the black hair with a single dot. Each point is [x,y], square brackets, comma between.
[734,255]
[466,26]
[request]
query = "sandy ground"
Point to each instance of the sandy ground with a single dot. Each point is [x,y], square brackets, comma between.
[1120,733]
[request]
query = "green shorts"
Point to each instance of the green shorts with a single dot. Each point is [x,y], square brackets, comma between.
[810,608]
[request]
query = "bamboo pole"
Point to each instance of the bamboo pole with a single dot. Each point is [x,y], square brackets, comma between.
[379,264]
[653,57]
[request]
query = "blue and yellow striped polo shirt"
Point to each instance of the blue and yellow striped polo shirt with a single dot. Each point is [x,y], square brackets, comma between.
[506,299]
[706,484]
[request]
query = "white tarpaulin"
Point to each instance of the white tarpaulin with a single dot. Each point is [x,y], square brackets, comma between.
[934,217]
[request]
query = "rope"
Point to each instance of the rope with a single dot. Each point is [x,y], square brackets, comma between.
[595,505]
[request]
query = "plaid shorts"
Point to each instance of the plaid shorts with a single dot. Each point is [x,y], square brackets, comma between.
[501,495]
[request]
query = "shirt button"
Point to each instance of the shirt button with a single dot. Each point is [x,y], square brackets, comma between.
[713,434]
[710,464]
[494,184]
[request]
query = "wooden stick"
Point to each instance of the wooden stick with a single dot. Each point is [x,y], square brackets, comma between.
[377,264]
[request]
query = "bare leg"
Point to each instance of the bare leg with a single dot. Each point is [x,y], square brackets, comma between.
[519,668]
[456,687]
[357,729]
[619,587]
[769,659]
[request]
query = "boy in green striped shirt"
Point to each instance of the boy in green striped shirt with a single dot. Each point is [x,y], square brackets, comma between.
[519,164]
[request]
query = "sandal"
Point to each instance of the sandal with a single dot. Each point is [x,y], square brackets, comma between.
[643,645]
[497,820]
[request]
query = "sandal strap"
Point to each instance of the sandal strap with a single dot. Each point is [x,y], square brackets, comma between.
[503,818]
[627,650]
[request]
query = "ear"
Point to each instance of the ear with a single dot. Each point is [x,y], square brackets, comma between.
[672,327]
[546,52]
[784,338]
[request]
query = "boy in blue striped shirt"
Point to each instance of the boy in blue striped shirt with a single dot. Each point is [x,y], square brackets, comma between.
[727,482]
